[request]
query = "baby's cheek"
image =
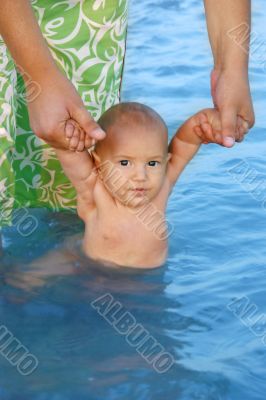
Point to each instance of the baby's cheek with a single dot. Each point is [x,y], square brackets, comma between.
[158,180]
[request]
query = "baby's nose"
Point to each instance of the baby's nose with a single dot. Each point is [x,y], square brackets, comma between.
[140,173]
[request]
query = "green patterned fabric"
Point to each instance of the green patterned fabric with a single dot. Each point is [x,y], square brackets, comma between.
[87,39]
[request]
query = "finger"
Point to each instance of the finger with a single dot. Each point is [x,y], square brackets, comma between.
[89,142]
[207,129]
[237,134]
[248,116]
[229,121]
[90,127]
[210,120]
[239,122]
[241,138]
[198,131]
[69,129]
[81,143]
[240,133]
[245,123]
[74,141]
[203,118]
[217,135]
[218,138]
[245,126]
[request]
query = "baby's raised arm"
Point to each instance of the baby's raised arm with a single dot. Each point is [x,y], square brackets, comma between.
[78,167]
[183,146]
[203,127]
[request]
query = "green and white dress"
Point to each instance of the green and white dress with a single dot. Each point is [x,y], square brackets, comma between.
[87,39]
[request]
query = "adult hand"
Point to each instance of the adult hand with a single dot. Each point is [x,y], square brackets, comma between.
[208,126]
[58,102]
[231,96]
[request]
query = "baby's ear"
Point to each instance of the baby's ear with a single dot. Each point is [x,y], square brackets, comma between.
[169,155]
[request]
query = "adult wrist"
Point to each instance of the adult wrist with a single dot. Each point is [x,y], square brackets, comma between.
[39,73]
[231,57]
[237,70]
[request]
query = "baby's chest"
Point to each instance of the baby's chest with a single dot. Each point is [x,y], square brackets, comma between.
[145,226]
[118,223]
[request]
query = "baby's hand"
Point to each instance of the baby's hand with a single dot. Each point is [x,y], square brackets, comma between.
[77,138]
[209,128]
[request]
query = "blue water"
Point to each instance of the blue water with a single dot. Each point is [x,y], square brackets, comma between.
[217,253]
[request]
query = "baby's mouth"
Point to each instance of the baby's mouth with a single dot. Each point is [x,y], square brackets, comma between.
[139,191]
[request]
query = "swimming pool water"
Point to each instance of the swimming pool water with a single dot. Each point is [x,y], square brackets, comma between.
[52,300]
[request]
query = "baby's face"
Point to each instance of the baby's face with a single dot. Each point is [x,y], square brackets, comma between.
[133,163]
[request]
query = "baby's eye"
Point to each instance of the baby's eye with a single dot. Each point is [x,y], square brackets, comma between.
[125,163]
[153,163]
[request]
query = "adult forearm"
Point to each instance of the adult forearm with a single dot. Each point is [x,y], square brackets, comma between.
[223,16]
[22,35]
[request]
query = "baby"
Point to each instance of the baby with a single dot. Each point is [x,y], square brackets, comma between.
[124,181]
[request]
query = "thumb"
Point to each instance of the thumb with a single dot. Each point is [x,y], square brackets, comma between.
[229,121]
[87,123]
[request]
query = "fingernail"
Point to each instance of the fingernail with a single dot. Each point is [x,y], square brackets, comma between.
[229,141]
[97,133]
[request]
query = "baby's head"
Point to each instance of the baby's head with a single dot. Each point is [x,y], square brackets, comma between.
[133,157]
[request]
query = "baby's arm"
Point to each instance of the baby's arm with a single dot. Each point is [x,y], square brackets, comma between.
[78,167]
[183,147]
